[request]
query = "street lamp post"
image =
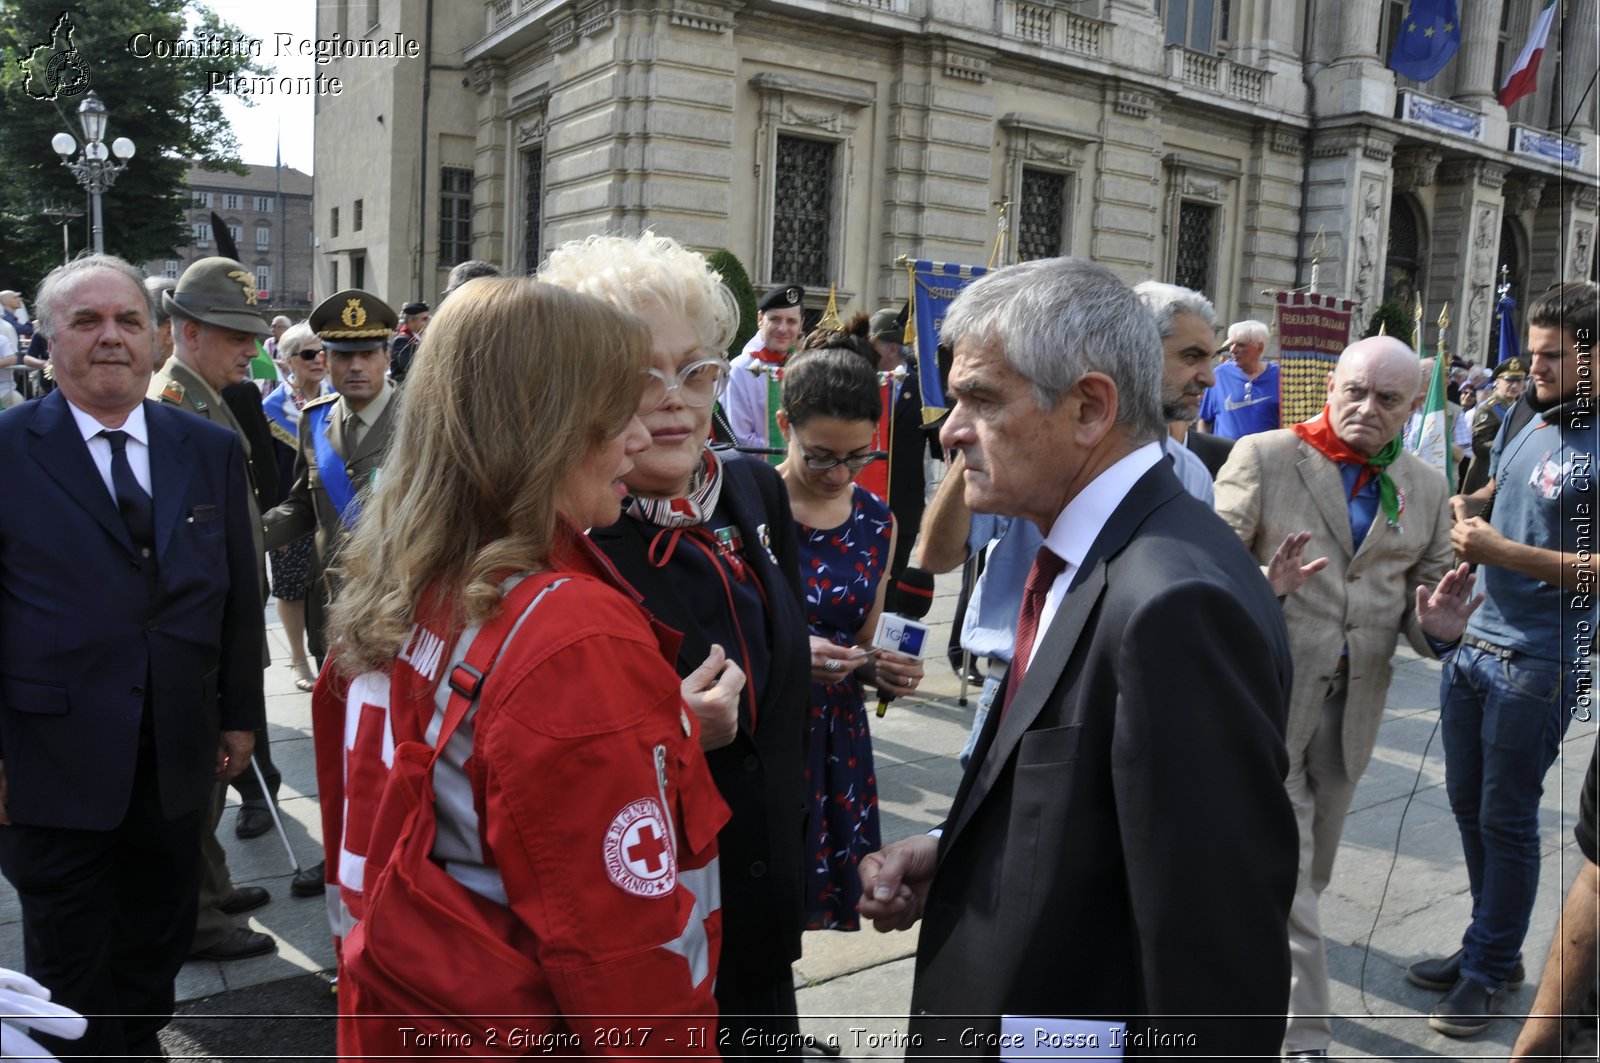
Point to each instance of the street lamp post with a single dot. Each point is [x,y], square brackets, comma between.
[94,168]
[64,217]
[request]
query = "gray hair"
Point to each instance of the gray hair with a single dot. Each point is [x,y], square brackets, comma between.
[49,294]
[1250,332]
[471,269]
[1056,319]
[1167,301]
[281,320]
[157,287]
[294,338]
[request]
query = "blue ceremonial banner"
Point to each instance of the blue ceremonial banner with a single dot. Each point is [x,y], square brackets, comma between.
[1429,35]
[935,286]
[1510,342]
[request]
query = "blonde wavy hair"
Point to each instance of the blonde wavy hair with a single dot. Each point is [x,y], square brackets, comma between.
[518,383]
[635,274]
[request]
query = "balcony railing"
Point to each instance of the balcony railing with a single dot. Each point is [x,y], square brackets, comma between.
[1053,27]
[1214,74]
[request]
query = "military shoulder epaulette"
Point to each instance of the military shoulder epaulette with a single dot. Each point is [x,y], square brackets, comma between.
[173,393]
[323,401]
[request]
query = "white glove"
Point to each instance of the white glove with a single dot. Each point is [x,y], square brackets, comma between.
[26,1005]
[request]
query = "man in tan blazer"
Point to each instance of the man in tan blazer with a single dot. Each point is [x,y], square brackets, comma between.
[1342,485]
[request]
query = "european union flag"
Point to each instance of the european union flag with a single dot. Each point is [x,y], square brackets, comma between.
[1429,35]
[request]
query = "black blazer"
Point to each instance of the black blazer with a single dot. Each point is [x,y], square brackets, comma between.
[84,631]
[1122,845]
[761,773]
[1212,450]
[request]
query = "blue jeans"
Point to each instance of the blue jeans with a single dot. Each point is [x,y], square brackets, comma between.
[991,683]
[1502,722]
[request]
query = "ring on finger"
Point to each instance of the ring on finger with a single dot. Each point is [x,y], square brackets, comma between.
[832,665]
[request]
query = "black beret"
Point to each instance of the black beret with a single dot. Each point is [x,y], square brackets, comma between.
[782,297]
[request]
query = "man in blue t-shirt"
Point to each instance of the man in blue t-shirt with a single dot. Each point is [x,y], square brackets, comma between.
[1244,399]
[1523,668]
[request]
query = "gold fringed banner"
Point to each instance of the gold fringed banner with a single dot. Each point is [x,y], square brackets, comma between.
[1312,332]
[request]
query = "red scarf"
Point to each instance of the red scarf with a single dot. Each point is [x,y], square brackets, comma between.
[769,356]
[1320,434]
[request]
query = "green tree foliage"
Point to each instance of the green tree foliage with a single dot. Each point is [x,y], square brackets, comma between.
[161,104]
[1391,316]
[734,276]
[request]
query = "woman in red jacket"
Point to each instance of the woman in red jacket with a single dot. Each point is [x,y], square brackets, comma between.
[576,819]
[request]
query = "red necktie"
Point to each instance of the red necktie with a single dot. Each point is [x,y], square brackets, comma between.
[1046,567]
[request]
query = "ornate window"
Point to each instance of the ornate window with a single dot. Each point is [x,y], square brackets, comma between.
[805,159]
[264,278]
[263,238]
[455,215]
[802,215]
[1041,214]
[169,269]
[1197,233]
[230,201]
[1043,158]
[202,199]
[264,205]
[532,205]
[202,234]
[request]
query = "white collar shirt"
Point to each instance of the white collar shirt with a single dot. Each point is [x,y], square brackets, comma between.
[1076,529]
[138,446]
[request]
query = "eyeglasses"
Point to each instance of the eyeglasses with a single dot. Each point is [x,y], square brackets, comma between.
[854,464]
[698,384]
[310,354]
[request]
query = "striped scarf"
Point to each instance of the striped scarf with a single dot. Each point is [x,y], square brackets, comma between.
[690,510]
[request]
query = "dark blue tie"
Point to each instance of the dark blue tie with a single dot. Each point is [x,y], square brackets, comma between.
[137,511]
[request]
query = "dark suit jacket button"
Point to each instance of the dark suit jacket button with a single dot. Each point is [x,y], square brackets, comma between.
[758,869]
[144,551]
[752,762]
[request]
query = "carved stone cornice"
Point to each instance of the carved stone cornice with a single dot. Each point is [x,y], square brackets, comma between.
[1523,193]
[1415,168]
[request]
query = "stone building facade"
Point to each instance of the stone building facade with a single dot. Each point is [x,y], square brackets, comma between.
[1205,142]
[269,216]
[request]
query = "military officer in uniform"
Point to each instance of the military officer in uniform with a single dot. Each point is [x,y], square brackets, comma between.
[214,329]
[1509,378]
[342,442]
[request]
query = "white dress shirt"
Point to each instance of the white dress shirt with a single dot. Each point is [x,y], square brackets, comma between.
[1076,529]
[137,449]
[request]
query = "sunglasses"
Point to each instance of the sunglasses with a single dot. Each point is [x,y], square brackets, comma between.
[311,354]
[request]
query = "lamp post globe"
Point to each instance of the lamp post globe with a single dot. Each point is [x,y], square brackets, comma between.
[94,167]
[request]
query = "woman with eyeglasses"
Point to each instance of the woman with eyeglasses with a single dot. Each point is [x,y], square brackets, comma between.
[305,372]
[831,406]
[707,540]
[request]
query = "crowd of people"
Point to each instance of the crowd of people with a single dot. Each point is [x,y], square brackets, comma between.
[590,631]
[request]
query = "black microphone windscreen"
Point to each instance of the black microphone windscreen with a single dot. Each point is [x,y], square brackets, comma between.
[913,594]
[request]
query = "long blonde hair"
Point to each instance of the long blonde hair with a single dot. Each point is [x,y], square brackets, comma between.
[518,383]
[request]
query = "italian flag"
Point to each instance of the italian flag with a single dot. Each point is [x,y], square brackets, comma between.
[1432,441]
[1524,73]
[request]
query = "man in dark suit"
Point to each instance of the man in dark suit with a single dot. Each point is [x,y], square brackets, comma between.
[1121,846]
[130,634]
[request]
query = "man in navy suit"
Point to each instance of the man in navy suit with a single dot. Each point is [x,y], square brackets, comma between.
[1121,846]
[130,668]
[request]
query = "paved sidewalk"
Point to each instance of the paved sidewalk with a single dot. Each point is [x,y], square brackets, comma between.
[855,988]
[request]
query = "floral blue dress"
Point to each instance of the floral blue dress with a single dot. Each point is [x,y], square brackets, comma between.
[841,568]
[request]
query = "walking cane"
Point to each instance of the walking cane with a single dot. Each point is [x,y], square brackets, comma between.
[272,807]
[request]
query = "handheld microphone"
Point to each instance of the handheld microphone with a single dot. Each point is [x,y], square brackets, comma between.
[899,627]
